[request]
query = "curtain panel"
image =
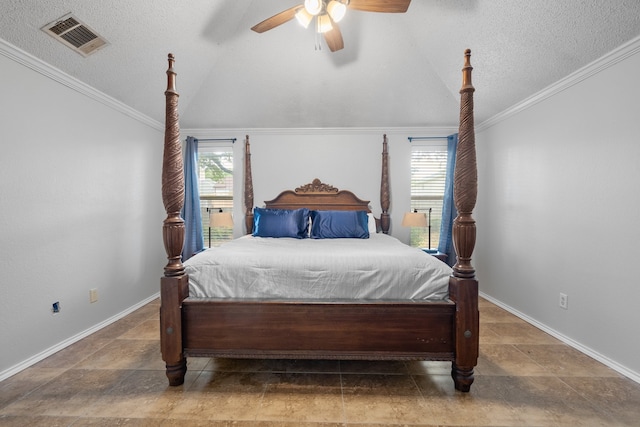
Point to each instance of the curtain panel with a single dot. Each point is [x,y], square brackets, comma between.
[449,212]
[193,238]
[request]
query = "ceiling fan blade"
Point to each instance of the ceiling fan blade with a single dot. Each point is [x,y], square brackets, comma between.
[333,38]
[275,20]
[386,6]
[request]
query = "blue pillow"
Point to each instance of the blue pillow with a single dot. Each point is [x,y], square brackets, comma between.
[281,222]
[339,224]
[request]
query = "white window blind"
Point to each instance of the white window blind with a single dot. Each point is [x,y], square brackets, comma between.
[428,172]
[215,183]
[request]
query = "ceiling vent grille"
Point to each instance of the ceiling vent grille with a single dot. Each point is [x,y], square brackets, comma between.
[70,31]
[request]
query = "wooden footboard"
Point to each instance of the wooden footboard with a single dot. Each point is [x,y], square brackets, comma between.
[319,329]
[447,330]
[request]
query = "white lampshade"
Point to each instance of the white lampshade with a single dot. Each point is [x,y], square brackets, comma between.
[414,219]
[220,219]
[314,7]
[304,17]
[324,23]
[336,10]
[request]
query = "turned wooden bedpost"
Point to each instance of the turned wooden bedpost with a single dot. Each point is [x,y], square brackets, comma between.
[172,180]
[463,286]
[174,284]
[248,187]
[385,220]
[465,183]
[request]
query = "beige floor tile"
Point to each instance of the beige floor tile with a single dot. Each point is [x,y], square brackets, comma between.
[173,422]
[482,302]
[303,397]
[421,367]
[69,394]
[116,377]
[373,367]
[74,354]
[147,330]
[494,314]
[562,360]
[507,359]
[450,407]
[274,365]
[126,354]
[234,396]
[616,397]
[142,394]
[26,382]
[197,364]
[298,424]
[118,421]
[114,330]
[518,332]
[385,399]
[36,421]
[546,401]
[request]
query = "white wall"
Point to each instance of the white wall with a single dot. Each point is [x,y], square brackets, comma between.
[559,211]
[349,159]
[81,209]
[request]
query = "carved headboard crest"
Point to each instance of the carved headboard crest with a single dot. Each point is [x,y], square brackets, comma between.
[316,186]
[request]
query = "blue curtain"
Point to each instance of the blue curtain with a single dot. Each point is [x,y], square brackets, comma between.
[449,212]
[193,238]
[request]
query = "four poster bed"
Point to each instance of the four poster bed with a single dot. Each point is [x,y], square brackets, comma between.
[435,320]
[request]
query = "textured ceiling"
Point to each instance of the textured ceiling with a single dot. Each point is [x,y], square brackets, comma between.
[396,70]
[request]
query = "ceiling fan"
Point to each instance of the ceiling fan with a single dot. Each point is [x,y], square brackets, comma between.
[327,14]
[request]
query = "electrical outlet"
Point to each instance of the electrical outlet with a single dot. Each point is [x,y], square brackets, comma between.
[93,295]
[564,301]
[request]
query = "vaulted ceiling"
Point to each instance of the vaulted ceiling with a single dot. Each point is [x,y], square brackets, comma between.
[396,70]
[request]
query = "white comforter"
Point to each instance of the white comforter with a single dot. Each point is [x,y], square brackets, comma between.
[380,267]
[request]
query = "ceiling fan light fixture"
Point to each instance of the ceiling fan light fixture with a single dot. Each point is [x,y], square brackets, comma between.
[304,17]
[324,23]
[336,10]
[314,7]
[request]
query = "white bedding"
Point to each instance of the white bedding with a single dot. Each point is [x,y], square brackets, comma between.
[380,267]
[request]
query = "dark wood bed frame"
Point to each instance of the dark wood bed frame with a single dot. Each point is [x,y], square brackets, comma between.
[321,329]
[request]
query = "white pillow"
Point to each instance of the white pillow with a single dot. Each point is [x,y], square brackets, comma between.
[373,229]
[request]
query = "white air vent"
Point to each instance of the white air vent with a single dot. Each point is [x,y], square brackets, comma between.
[75,34]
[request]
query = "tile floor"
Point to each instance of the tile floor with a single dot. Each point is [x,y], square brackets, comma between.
[116,376]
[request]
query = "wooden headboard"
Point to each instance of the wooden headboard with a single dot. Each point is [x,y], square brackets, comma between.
[318,196]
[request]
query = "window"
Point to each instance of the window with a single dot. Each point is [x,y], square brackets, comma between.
[428,172]
[215,182]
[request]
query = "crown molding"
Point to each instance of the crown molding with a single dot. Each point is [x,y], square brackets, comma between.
[615,56]
[18,55]
[225,133]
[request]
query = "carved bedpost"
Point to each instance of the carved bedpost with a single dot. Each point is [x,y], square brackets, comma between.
[174,284]
[465,182]
[385,220]
[463,286]
[172,180]
[248,187]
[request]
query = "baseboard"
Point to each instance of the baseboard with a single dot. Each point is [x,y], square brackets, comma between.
[66,343]
[635,376]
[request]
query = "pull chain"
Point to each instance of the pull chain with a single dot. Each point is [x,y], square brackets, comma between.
[318,35]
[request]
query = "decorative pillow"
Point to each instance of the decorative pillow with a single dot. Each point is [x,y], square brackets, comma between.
[339,224]
[371,224]
[281,222]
